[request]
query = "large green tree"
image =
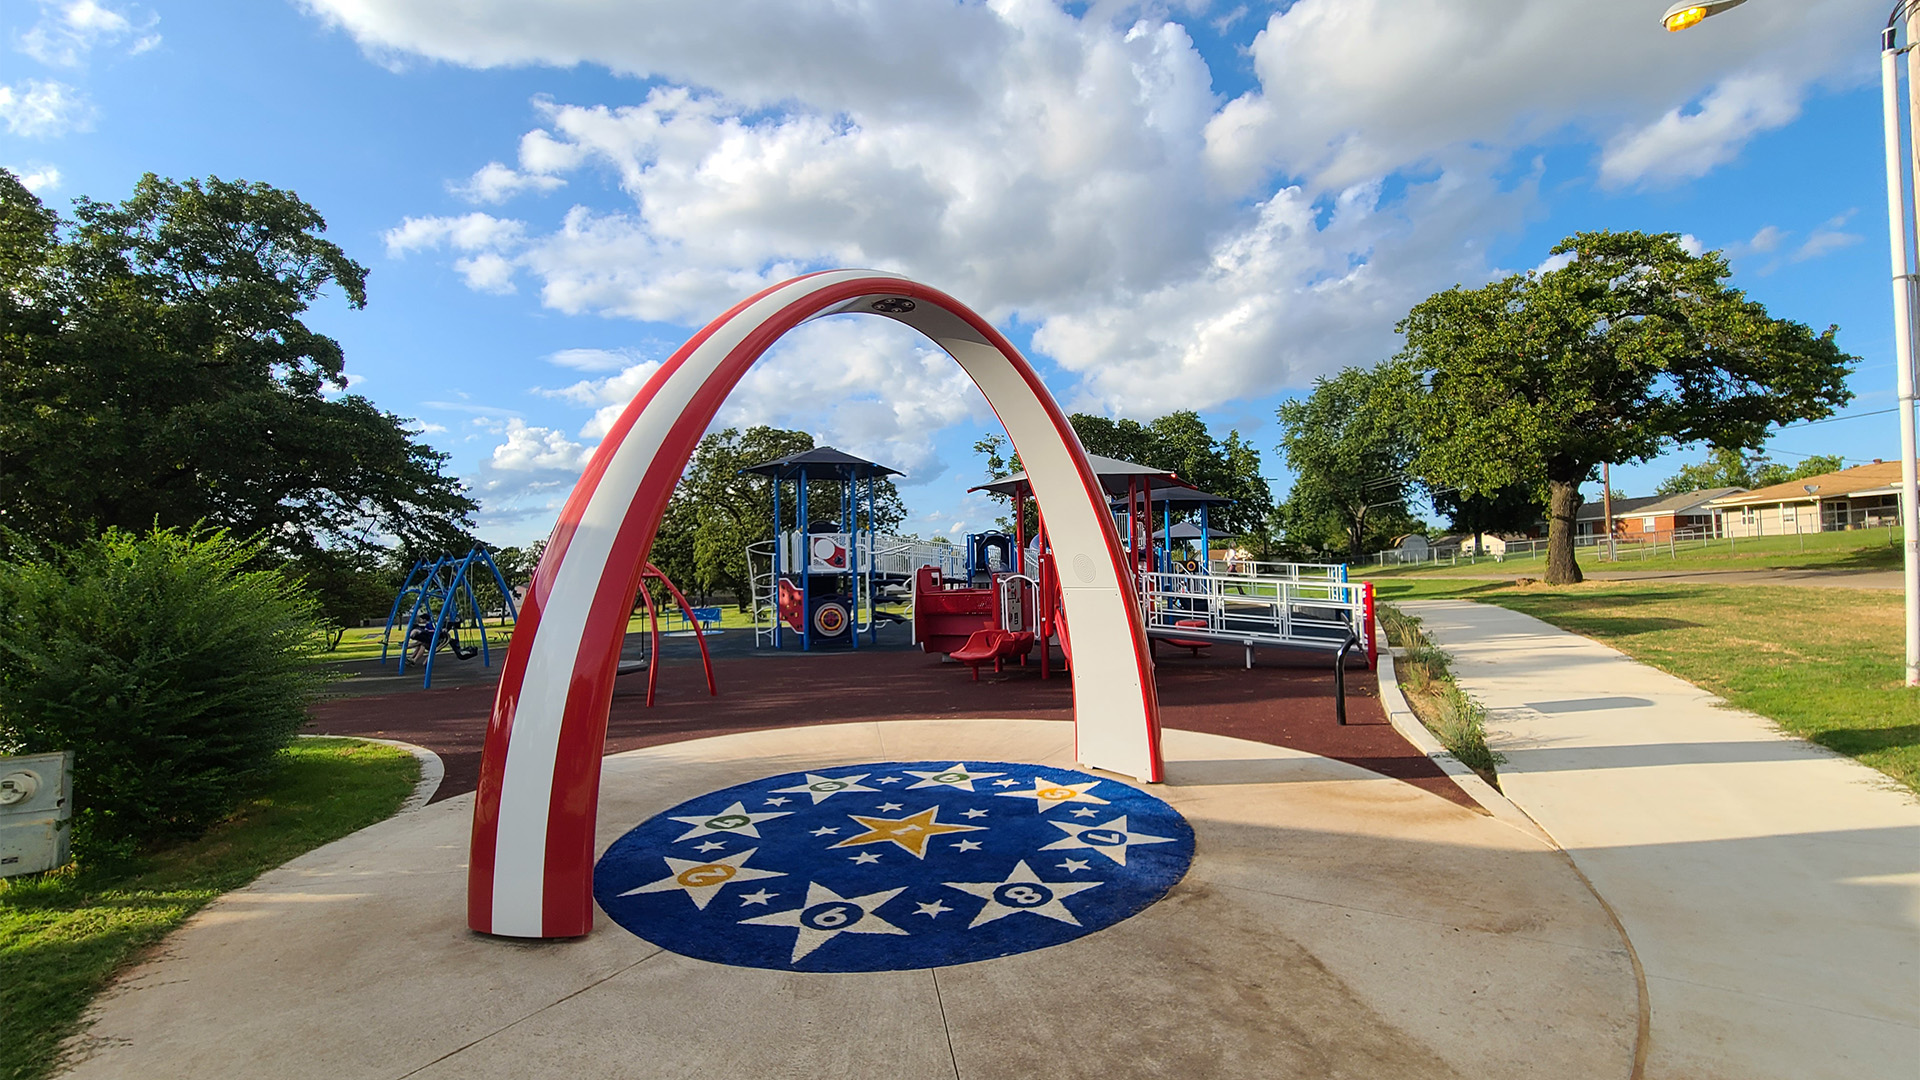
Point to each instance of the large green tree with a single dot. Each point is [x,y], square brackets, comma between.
[716,512]
[1179,442]
[1731,467]
[154,367]
[1633,344]
[1350,444]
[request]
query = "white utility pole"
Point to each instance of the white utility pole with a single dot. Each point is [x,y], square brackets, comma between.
[1899,233]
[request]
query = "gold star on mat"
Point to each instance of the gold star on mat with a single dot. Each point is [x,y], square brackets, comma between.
[1047,794]
[911,833]
[702,880]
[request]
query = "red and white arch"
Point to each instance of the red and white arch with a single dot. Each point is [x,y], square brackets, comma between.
[533,823]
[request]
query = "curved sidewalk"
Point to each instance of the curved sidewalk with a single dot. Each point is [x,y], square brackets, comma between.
[1770,888]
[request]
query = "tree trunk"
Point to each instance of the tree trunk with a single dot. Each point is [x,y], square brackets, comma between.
[1564,502]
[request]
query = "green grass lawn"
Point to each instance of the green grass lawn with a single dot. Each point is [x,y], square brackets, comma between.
[63,933]
[1865,549]
[1825,664]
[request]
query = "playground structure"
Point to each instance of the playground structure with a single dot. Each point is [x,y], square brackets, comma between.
[823,580]
[433,618]
[994,615]
[532,848]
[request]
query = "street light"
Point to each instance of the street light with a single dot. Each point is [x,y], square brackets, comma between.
[1900,222]
[1686,13]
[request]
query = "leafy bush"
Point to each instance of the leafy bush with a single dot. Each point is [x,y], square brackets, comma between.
[171,669]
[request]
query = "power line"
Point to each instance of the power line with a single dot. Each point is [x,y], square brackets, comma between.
[1836,419]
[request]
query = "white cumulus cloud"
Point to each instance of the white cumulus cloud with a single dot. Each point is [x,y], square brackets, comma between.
[535,449]
[495,183]
[1683,145]
[66,32]
[38,179]
[43,109]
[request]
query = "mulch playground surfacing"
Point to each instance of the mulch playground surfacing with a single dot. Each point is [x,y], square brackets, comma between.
[1286,699]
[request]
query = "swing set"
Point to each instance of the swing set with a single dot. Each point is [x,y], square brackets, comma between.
[436,590]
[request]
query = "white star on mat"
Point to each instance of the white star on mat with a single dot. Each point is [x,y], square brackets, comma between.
[1006,783]
[824,831]
[933,910]
[702,880]
[1022,890]
[967,845]
[734,819]
[1073,866]
[1112,839]
[888,780]
[956,776]
[1046,794]
[782,801]
[827,914]
[760,897]
[820,788]
[1086,811]
[864,858]
[889,806]
[975,813]
[711,845]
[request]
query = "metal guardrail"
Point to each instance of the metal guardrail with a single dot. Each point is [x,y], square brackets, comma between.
[1292,571]
[1250,610]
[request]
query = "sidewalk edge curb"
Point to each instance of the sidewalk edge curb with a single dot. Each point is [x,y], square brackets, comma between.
[1401,716]
[432,769]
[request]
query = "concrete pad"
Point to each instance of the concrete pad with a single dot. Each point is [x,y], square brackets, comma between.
[1334,923]
[1771,888]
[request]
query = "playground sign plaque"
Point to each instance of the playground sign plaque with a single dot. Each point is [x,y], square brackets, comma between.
[893,866]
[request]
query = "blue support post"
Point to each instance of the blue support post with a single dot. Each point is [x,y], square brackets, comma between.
[433,576]
[873,607]
[1166,542]
[774,483]
[405,587]
[806,569]
[850,521]
[1206,545]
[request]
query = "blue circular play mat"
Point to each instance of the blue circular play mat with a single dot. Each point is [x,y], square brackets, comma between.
[893,866]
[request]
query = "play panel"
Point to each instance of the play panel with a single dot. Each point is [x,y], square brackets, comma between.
[893,866]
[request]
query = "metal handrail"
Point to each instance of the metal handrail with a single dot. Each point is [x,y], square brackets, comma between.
[1255,608]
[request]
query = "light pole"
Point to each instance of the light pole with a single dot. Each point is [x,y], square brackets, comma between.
[1900,231]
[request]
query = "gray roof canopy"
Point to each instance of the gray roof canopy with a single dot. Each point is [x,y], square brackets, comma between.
[820,463]
[1115,476]
[1179,498]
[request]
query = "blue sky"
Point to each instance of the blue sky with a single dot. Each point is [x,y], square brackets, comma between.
[1169,205]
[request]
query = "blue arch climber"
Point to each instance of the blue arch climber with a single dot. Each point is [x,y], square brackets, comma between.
[437,588]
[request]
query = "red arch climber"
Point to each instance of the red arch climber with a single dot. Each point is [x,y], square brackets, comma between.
[532,857]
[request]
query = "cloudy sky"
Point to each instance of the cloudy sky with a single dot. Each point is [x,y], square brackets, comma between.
[1201,204]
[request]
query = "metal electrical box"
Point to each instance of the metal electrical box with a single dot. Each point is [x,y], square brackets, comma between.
[36,812]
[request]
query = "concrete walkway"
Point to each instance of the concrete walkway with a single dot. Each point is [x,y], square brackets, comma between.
[1334,923]
[1770,888]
